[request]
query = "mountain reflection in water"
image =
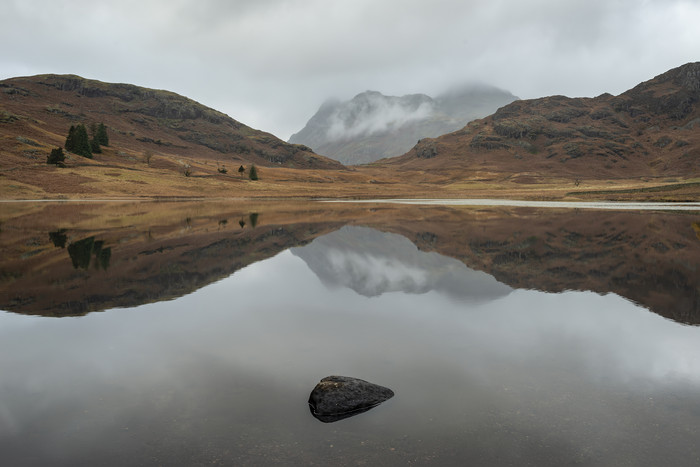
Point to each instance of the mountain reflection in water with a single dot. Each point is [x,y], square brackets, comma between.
[145,252]
[227,325]
[371,263]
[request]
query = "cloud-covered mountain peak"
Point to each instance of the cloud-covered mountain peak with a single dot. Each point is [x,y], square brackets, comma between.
[372,113]
[371,125]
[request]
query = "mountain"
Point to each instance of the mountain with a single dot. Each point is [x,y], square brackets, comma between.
[372,126]
[373,263]
[651,130]
[36,113]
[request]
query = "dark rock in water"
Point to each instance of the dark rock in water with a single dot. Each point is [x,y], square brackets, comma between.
[337,397]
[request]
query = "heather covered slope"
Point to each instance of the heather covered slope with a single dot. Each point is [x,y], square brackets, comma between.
[372,126]
[652,130]
[37,111]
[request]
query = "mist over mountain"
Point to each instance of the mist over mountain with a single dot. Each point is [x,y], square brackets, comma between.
[372,126]
[372,263]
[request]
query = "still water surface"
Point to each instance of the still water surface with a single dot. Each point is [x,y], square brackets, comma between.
[484,372]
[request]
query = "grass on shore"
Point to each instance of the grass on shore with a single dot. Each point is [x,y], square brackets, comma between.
[118,176]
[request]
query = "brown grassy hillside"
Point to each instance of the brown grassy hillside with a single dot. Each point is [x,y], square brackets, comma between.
[643,145]
[147,129]
[140,120]
[652,130]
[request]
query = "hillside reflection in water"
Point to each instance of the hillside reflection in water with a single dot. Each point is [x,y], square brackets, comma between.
[484,372]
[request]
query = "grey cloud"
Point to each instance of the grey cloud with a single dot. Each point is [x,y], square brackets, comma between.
[271,63]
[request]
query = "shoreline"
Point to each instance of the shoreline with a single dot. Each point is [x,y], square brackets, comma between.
[610,205]
[465,202]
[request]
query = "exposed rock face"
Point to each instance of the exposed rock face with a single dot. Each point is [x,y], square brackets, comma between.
[372,126]
[674,94]
[337,397]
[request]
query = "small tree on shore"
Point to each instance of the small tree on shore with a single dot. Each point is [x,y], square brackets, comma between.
[253,174]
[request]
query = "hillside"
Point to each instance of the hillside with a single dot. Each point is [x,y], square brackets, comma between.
[36,113]
[372,126]
[651,130]
[641,145]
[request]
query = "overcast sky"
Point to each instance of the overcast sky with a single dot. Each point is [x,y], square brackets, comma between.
[271,63]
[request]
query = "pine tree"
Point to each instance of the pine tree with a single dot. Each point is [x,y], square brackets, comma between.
[95,146]
[253,174]
[56,157]
[70,140]
[101,135]
[82,143]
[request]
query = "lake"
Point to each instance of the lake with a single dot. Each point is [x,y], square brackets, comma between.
[192,333]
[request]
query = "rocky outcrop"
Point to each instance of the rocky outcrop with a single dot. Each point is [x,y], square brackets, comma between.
[674,94]
[337,397]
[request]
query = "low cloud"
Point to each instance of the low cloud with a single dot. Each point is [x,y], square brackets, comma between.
[370,113]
